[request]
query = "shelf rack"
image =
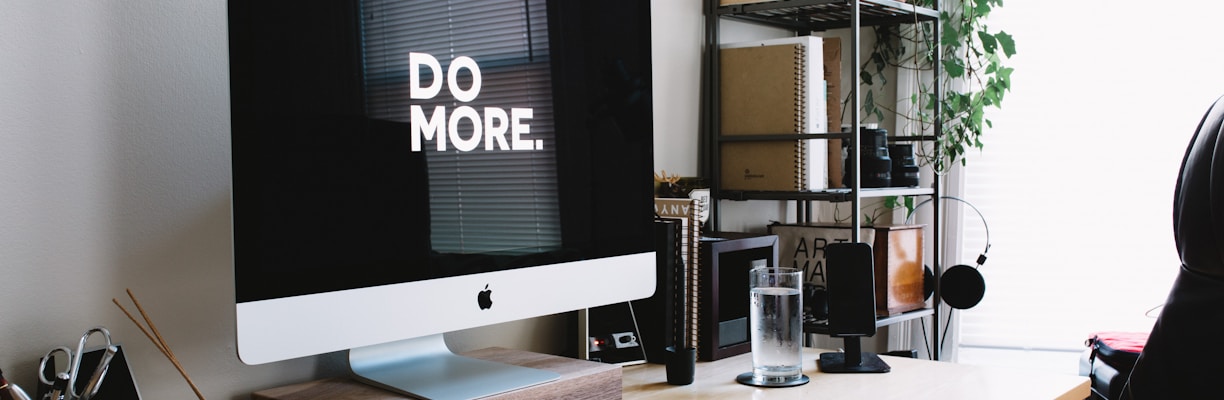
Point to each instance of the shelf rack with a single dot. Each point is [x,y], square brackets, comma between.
[804,17]
[822,327]
[819,15]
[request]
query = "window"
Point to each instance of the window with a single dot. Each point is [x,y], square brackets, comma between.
[473,195]
[1077,177]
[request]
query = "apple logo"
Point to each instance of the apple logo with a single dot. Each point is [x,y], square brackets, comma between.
[485,298]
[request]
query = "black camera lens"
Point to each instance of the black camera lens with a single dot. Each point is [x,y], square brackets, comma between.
[904,166]
[875,163]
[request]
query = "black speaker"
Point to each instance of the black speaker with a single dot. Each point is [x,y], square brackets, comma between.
[657,314]
[850,275]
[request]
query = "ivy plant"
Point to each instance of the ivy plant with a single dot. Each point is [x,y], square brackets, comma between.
[973,75]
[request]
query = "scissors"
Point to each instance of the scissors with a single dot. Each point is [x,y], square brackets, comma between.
[64,385]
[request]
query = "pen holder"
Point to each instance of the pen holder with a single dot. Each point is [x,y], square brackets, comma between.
[118,384]
[681,365]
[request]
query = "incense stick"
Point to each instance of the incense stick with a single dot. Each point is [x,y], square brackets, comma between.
[157,339]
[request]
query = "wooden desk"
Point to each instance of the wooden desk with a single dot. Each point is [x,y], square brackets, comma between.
[579,379]
[910,379]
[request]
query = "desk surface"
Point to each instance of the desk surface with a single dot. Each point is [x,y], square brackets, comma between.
[909,379]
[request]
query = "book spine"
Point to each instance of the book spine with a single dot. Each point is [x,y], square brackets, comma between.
[694,234]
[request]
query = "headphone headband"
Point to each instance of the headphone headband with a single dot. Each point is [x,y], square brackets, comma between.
[909,219]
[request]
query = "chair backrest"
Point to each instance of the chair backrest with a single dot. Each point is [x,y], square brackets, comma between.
[1181,357]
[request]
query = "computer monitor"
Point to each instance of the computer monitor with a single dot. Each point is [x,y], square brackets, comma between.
[405,168]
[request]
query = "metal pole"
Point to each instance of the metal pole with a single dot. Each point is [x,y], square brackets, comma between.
[937,221]
[710,144]
[855,152]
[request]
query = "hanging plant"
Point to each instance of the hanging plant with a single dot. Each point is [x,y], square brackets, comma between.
[973,76]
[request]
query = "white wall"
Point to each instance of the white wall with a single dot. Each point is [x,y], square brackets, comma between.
[114,174]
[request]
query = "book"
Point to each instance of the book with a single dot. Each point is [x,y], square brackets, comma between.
[687,212]
[774,87]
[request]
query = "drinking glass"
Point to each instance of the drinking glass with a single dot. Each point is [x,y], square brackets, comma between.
[776,327]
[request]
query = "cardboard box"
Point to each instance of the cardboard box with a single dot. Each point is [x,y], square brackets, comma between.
[898,259]
[833,98]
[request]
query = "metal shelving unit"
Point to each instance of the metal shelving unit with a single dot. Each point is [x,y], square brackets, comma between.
[823,328]
[804,17]
[819,15]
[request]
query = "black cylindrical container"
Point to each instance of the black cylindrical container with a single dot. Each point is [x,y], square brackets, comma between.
[904,166]
[680,365]
[875,162]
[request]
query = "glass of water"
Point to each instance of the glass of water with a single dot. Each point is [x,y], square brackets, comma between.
[776,327]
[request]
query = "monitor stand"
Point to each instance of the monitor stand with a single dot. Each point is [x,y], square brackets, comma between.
[425,367]
[852,360]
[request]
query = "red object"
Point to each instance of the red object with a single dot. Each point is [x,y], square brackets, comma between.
[1123,341]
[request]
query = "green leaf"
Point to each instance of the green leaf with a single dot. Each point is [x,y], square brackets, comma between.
[1004,76]
[950,36]
[953,68]
[1007,43]
[992,95]
[869,105]
[878,60]
[981,8]
[989,43]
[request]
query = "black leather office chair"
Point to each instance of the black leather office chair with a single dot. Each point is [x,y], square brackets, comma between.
[1183,357]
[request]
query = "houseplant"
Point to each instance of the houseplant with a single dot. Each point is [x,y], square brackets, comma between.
[973,76]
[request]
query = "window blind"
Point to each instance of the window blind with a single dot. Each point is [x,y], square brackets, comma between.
[480,201]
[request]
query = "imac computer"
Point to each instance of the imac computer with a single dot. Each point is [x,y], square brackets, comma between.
[406,168]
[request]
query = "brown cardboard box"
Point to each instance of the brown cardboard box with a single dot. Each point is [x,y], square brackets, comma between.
[898,259]
[832,77]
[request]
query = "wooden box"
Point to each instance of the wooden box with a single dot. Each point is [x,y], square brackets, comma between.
[723,292]
[898,259]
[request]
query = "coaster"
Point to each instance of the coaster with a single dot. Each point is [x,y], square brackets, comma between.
[748,379]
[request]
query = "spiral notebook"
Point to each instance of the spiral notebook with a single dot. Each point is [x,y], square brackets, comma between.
[773,87]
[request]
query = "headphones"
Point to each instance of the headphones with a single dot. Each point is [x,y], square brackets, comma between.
[963,285]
